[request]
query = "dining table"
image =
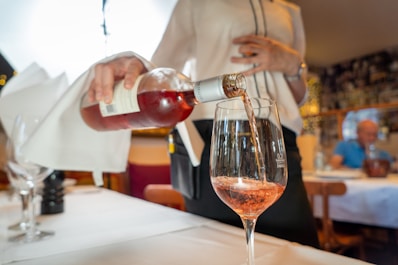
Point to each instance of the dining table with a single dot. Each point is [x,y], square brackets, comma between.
[101,226]
[367,201]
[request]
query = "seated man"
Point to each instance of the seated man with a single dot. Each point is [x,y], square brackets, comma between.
[351,154]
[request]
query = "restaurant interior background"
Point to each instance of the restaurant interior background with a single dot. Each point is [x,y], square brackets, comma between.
[352,52]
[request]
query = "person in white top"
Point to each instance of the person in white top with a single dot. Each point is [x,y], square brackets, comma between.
[264,40]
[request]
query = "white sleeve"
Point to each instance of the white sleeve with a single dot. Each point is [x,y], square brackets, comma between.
[176,46]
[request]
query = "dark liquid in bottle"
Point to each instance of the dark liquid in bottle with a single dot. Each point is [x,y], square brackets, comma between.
[376,168]
[157,109]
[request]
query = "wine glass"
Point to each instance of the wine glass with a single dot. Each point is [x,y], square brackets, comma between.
[248,167]
[14,180]
[13,187]
[25,175]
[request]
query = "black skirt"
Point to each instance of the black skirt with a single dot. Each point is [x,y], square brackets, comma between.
[289,218]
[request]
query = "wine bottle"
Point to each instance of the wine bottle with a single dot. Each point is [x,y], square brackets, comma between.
[160,98]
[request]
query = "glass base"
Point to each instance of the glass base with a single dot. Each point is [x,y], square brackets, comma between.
[27,237]
[21,226]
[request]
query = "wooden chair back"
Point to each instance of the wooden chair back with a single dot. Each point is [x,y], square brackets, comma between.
[329,239]
[164,194]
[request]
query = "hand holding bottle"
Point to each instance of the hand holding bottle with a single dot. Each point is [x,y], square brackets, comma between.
[125,95]
[105,75]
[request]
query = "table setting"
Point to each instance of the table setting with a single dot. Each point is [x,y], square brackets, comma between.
[100,226]
[368,200]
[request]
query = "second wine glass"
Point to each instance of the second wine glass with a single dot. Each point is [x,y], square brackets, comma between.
[26,174]
[248,166]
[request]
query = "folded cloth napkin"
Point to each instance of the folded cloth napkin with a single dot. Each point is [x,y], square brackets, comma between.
[26,93]
[192,140]
[62,140]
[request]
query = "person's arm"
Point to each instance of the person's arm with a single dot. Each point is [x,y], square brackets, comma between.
[178,42]
[298,87]
[298,84]
[336,161]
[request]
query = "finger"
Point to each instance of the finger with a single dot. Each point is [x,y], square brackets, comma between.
[107,84]
[91,92]
[95,90]
[251,39]
[250,49]
[243,39]
[252,71]
[243,60]
[134,69]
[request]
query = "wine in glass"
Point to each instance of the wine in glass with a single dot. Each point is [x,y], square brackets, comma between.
[248,167]
[26,174]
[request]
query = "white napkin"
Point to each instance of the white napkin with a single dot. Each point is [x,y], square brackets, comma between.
[192,140]
[32,75]
[63,141]
[33,92]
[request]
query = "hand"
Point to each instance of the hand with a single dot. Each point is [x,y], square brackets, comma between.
[105,75]
[267,55]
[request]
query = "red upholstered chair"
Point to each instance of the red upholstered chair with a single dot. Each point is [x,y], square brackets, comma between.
[142,175]
[3,180]
[149,163]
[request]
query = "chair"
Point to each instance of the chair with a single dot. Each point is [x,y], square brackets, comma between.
[330,239]
[4,183]
[164,194]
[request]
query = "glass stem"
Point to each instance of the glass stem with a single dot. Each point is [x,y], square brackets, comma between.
[31,229]
[25,209]
[249,225]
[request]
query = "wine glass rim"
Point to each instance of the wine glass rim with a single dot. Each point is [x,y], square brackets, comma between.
[227,104]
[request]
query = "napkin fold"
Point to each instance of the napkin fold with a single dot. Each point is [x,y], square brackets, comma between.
[192,140]
[62,140]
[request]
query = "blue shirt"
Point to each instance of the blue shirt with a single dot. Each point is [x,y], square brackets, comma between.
[353,154]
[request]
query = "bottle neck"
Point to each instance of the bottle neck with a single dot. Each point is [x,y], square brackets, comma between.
[209,90]
[190,98]
[219,87]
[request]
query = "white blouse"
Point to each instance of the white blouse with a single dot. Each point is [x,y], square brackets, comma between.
[198,42]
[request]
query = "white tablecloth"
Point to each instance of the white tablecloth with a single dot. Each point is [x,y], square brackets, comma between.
[368,201]
[105,227]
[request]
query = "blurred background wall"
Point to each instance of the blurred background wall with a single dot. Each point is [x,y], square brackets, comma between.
[68,35]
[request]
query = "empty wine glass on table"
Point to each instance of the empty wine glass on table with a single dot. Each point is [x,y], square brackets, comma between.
[26,175]
[13,189]
[23,194]
[248,166]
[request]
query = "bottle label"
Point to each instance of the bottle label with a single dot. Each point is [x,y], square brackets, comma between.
[210,89]
[124,100]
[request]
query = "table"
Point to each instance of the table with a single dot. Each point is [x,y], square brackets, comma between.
[368,201]
[100,226]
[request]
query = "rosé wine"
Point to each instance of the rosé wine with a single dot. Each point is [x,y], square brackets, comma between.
[158,109]
[247,197]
